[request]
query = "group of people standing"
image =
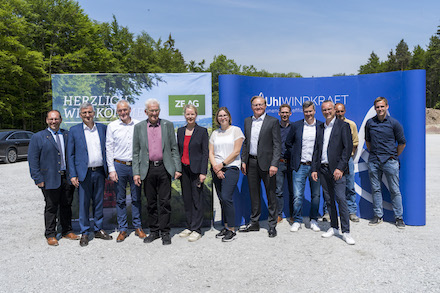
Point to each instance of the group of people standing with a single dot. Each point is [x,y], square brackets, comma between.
[147,154]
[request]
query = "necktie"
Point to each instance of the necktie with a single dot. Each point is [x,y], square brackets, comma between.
[60,148]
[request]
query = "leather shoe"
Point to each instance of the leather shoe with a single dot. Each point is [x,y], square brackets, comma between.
[166,239]
[52,241]
[140,233]
[150,238]
[72,236]
[280,219]
[84,240]
[250,227]
[121,237]
[272,232]
[103,235]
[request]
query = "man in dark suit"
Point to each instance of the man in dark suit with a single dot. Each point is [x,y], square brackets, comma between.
[330,160]
[88,170]
[155,161]
[47,165]
[260,158]
[300,145]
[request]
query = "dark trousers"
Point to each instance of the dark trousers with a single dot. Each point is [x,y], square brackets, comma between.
[335,190]
[192,193]
[157,189]
[61,198]
[255,175]
[92,188]
[225,191]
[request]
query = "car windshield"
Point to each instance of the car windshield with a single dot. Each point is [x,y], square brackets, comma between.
[3,134]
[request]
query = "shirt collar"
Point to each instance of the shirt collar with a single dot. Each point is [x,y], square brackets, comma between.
[122,123]
[331,123]
[151,125]
[53,132]
[87,128]
[259,118]
[313,124]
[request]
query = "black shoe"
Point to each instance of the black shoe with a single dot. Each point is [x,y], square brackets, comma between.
[150,238]
[84,240]
[400,223]
[101,234]
[166,239]
[222,233]
[230,236]
[272,232]
[375,221]
[250,227]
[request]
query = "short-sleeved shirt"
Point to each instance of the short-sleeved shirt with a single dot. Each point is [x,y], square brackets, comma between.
[223,142]
[383,136]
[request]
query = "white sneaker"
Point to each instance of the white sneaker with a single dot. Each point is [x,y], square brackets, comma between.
[295,227]
[347,238]
[194,236]
[330,232]
[185,233]
[314,226]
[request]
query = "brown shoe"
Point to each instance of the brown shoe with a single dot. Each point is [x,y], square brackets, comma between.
[140,233]
[121,237]
[52,241]
[72,236]
[280,219]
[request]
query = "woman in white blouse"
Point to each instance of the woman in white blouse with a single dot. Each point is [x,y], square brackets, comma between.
[224,155]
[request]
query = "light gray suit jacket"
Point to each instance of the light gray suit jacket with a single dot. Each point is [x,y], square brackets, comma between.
[141,159]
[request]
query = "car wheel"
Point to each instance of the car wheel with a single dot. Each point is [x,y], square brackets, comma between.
[11,156]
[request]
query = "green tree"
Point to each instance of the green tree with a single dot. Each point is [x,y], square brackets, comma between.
[373,65]
[403,56]
[432,59]
[418,58]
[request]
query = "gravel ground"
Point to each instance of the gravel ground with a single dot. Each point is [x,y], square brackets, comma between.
[384,258]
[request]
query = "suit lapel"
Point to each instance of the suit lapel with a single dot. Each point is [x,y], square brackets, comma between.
[263,126]
[50,138]
[163,133]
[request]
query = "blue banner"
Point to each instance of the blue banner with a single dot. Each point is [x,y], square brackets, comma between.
[405,91]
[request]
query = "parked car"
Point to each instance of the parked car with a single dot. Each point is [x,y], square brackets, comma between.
[14,144]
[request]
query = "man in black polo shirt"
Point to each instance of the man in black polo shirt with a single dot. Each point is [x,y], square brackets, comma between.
[381,134]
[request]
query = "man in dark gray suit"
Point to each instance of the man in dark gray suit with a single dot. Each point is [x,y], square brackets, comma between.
[330,161]
[260,158]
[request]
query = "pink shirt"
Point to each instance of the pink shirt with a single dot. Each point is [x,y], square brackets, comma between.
[154,141]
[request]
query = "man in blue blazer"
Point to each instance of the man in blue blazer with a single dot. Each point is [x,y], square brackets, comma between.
[47,165]
[330,161]
[300,146]
[88,170]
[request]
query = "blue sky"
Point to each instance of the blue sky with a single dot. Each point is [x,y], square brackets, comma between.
[313,38]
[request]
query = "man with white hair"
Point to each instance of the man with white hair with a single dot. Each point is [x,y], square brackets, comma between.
[119,147]
[155,160]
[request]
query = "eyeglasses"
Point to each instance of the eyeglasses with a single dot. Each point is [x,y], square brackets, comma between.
[258,105]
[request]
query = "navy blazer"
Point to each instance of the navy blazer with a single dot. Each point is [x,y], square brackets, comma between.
[198,148]
[77,154]
[44,158]
[294,143]
[339,148]
[269,143]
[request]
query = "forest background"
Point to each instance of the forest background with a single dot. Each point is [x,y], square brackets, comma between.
[43,37]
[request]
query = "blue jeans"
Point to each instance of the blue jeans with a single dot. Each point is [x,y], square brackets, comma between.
[283,171]
[125,174]
[225,191]
[350,193]
[299,184]
[391,170]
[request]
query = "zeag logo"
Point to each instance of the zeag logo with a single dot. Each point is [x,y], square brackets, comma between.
[177,102]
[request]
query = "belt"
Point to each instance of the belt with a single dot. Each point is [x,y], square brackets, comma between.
[324,165]
[308,163]
[253,157]
[128,163]
[156,163]
[93,169]
[283,160]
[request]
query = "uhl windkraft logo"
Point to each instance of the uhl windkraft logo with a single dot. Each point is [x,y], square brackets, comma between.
[177,102]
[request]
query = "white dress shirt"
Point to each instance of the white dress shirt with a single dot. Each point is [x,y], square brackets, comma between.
[119,142]
[308,141]
[327,132]
[255,133]
[93,146]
